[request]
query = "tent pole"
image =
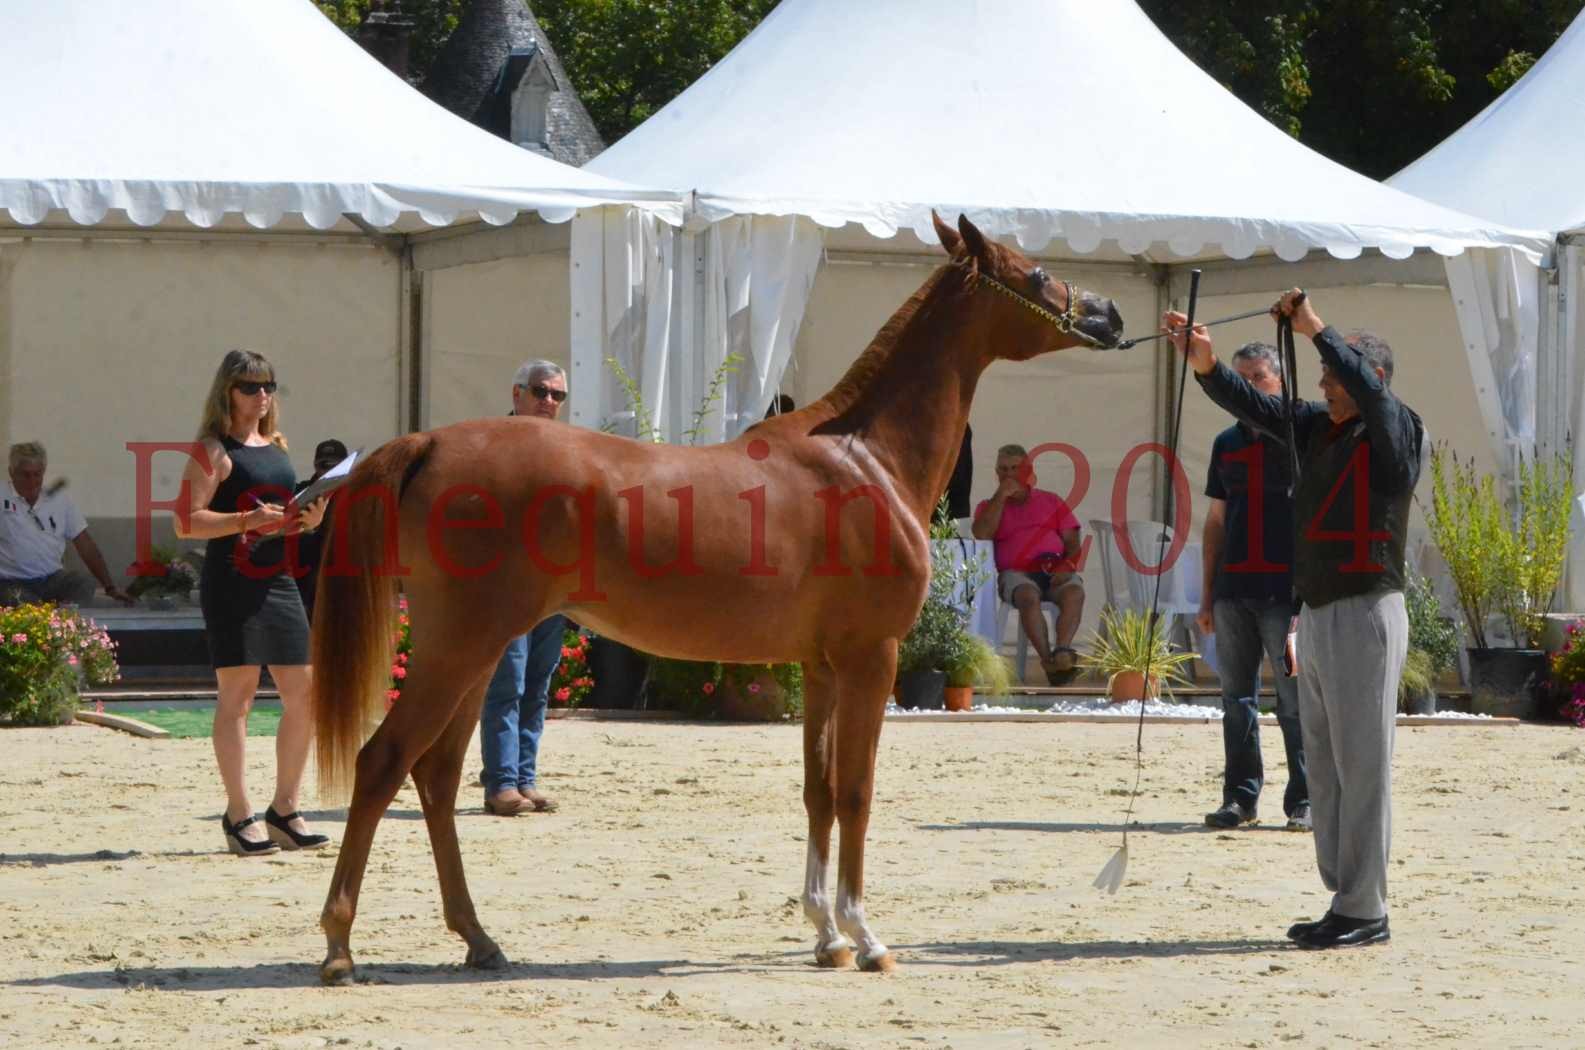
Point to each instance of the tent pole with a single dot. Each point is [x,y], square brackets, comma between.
[1162,374]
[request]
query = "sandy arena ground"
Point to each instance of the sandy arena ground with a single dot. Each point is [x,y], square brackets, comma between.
[658,909]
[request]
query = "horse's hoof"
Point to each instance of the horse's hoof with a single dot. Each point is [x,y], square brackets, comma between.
[486,957]
[839,958]
[885,962]
[336,970]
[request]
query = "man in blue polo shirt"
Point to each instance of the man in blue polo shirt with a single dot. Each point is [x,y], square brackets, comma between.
[1247,600]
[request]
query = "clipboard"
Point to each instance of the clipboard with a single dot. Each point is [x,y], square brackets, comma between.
[328,482]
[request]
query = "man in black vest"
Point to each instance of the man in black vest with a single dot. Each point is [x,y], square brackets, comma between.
[1247,600]
[1359,460]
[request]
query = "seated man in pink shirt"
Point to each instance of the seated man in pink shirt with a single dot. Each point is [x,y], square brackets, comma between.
[1037,540]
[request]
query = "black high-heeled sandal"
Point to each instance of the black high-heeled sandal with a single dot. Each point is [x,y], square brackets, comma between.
[245,847]
[281,832]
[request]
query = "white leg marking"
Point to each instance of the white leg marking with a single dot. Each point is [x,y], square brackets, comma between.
[817,903]
[850,919]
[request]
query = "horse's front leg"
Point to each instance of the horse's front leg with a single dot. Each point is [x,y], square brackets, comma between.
[832,949]
[863,681]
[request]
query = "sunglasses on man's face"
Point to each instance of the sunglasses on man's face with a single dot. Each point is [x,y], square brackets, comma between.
[541,392]
[249,387]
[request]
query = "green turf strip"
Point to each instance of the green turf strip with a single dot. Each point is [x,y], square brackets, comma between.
[197,722]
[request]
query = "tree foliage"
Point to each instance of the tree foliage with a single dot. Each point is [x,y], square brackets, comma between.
[1372,84]
[628,58]
[433,21]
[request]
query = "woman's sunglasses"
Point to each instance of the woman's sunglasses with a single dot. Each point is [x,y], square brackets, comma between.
[249,387]
[541,392]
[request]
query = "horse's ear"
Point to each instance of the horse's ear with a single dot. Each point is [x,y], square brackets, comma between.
[949,237]
[973,239]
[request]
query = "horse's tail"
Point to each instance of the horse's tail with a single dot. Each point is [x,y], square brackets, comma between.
[354,636]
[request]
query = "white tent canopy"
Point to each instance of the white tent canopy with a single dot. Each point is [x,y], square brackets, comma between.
[1073,127]
[264,110]
[1056,118]
[1521,160]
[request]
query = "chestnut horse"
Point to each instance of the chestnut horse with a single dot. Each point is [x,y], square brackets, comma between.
[741,552]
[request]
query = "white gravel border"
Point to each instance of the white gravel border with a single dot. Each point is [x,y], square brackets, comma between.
[1102,710]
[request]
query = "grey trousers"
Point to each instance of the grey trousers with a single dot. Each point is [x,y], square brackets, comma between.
[1351,655]
[61,586]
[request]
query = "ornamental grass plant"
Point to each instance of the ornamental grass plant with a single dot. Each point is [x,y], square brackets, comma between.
[1126,641]
[1502,561]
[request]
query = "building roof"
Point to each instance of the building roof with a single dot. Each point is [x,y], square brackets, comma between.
[467,78]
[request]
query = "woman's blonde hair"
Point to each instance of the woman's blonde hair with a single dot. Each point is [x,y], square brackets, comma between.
[236,365]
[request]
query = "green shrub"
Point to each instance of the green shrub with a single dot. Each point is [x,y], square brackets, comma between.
[46,655]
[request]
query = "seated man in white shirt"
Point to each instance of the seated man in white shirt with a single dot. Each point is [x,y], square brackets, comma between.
[35,527]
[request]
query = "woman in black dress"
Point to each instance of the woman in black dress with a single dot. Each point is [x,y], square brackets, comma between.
[253,615]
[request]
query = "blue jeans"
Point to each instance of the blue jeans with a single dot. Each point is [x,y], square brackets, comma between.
[514,708]
[1246,627]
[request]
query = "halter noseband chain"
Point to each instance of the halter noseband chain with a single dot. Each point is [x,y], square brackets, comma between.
[1065,322]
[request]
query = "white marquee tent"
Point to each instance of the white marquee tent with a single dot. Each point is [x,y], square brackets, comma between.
[1074,128]
[182,176]
[1521,161]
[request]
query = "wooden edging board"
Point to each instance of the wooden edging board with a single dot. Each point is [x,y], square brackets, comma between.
[938,717]
[121,722]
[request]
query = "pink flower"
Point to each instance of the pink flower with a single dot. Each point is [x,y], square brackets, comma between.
[563,694]
[392,694]
[566,652]
[401,659]
[583,683]
[72,660]
[708,687]
[753,687]
[398,672]
[20,638]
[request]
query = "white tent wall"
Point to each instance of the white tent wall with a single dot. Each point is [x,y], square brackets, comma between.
[483,320]
[106,341]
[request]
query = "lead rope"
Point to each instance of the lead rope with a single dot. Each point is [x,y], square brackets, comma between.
[1111,876]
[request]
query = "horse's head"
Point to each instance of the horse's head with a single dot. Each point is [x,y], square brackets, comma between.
[1060,315]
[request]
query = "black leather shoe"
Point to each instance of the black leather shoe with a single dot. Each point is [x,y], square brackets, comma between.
[1231,815]
[1302,929]
[282,834]
[1339,931]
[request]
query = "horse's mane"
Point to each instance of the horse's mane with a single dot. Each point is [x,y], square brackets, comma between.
[863,371]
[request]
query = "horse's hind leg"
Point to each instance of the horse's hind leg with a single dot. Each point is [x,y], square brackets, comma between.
[863,680]
[831,948]
[429,698]
[437,775]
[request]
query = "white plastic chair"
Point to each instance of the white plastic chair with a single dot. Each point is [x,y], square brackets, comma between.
[1113,570]
[1179,600]
[1021,650]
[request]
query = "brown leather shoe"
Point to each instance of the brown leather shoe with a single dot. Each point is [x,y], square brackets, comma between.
[507,804]
[537,802]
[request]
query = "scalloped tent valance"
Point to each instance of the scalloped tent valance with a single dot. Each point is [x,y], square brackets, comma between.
[1044,120]
[265,110]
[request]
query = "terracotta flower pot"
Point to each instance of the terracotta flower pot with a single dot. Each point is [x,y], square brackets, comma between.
[1129,685]
[959,697]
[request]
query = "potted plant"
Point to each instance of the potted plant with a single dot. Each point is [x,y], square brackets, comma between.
[1506,564]
[47,654]
[734,692]
[940,637]
[168,577]
[974,661]
[1433,648]
[1123,646]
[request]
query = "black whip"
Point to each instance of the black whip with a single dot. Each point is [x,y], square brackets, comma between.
[1111,876]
